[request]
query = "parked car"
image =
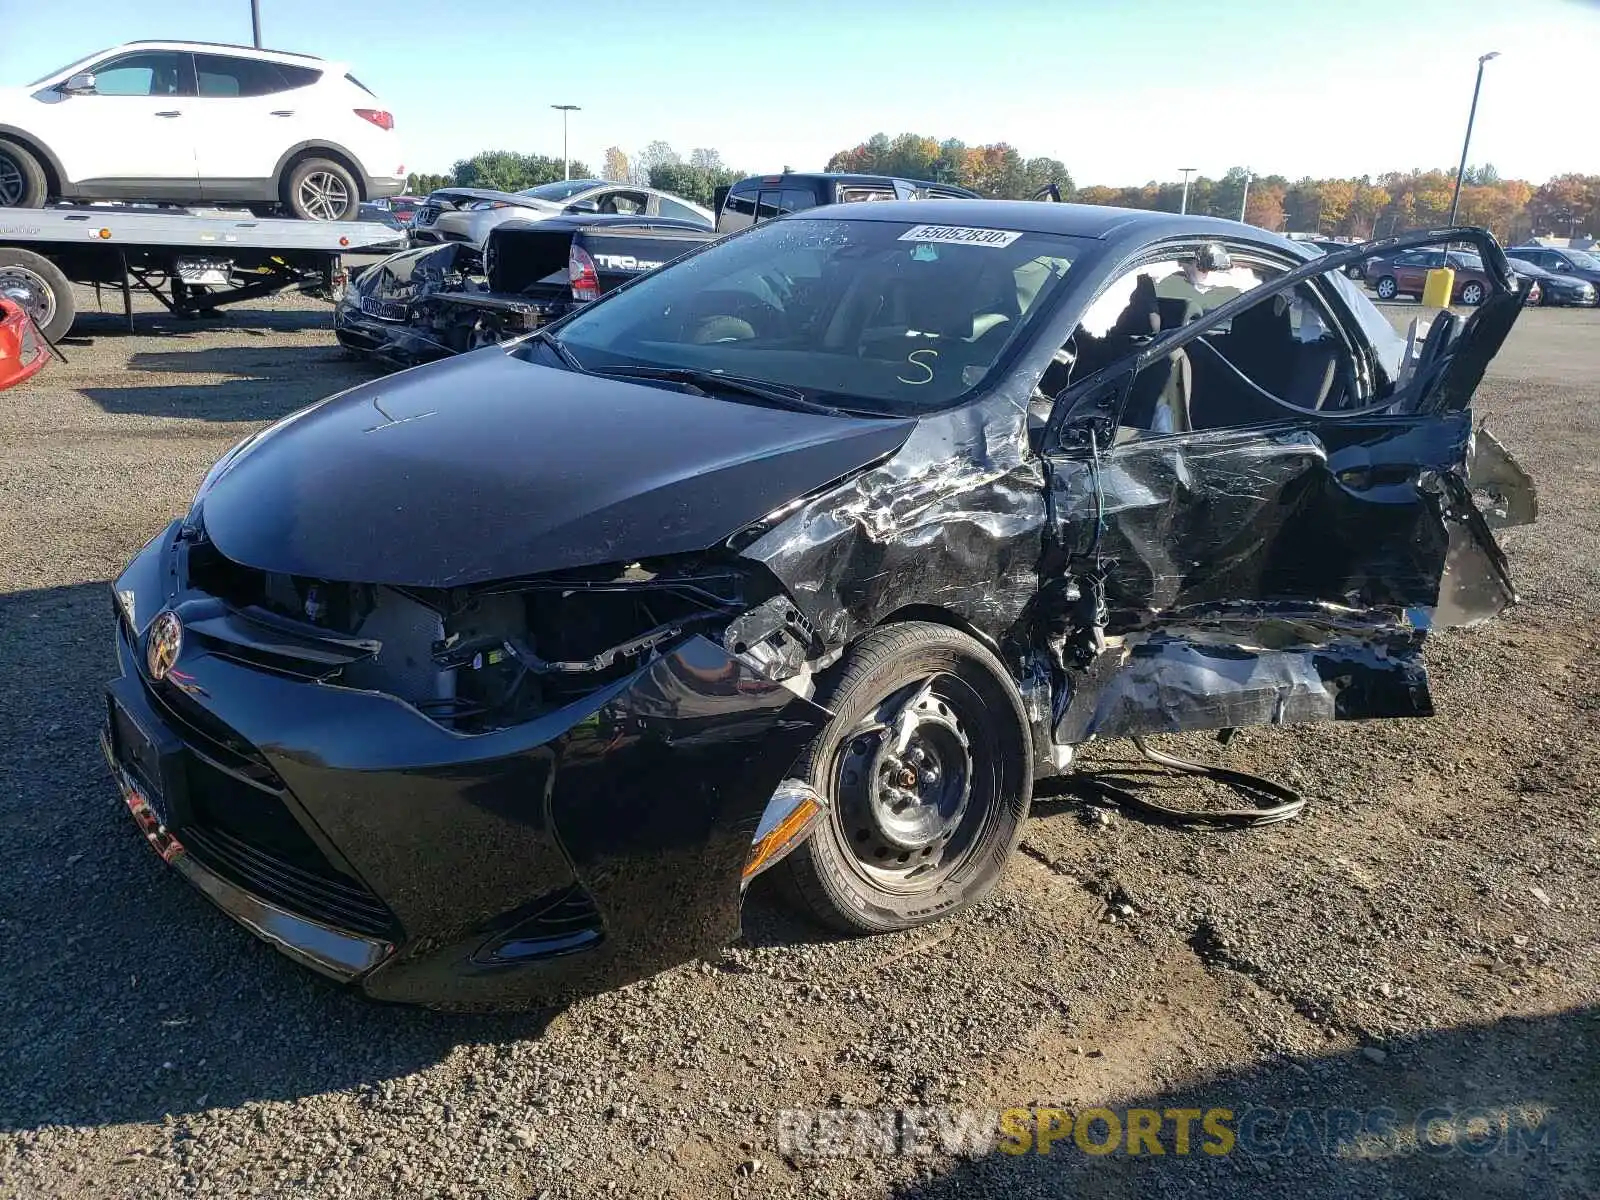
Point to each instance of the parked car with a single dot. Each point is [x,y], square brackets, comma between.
[468,214]
[1406,273]
[380,215]
[1553,287]
[1334,246]
[403,207]
[1575,264]
[23,353]
[193,122]
[763,197]
[434,301]
[495,681]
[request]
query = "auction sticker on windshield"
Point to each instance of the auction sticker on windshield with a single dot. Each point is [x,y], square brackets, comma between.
[960,235]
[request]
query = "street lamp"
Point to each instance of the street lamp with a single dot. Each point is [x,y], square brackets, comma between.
[1183,205]
[566,162]
[1244,202]
[1467,141]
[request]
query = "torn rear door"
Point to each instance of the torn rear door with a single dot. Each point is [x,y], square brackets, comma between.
[1281,572]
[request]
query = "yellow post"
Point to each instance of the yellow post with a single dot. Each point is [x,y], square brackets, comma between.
[1436,289]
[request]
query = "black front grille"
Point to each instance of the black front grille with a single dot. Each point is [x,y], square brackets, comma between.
[339,902]
[247,834]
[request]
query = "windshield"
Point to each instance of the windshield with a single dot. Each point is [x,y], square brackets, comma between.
[878,316]
[1583,260]
[61,70]
[561,190]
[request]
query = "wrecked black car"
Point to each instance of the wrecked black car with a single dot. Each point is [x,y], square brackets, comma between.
[496,681]
[434,301]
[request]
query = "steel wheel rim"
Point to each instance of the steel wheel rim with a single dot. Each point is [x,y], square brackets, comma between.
[900,833]
[323,195]
[29,289]
[11,182]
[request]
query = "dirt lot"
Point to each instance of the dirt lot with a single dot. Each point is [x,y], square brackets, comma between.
[1425,936]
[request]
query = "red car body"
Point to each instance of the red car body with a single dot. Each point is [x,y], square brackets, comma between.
[23,352]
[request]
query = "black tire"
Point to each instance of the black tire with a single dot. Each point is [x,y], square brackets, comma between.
[22,179]
[1388,288]
[1472,294]
[950,846]
[42,289]
[319,189]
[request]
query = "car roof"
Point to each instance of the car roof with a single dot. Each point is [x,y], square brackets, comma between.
[284,56]
[1036,216]
[848,177]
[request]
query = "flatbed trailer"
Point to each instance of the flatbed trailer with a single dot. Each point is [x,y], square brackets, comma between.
[192,261]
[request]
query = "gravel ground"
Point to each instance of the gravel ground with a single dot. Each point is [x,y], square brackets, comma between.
[1424,936]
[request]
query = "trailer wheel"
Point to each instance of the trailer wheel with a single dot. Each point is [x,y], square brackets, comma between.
[37,284]
[22,181]
[319,189]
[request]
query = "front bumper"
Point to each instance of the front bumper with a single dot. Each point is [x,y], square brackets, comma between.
[596,844]
[463,225]
[397,341]
[1569,295]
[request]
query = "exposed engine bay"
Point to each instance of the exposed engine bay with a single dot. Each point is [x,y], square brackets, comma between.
[483,658]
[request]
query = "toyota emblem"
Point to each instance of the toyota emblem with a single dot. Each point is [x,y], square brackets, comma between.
[164,643]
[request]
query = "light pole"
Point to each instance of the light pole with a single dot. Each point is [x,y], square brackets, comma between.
[1244,202]
[1183,205]
[566,162]
[255,21]
[1466,142]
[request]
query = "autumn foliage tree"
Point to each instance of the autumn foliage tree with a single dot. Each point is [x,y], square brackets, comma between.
[997,169]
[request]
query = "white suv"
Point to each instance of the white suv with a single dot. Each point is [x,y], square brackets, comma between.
[198,122]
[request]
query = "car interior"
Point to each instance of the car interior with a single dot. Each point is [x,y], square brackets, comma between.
[1272,359]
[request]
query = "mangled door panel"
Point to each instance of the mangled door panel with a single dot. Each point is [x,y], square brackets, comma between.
[1280,572]
[1326,514]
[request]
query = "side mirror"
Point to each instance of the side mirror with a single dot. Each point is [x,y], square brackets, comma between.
[584,206]
[1087,415]
[81,84]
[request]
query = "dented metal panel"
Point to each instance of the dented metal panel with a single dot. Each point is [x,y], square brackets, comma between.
[954,521]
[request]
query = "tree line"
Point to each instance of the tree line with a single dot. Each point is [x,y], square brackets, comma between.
[1359,207]
[1366,206]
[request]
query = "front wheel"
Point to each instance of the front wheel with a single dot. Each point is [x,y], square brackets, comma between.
[319,189]
[927,767]
[1472,295]
[1388,287]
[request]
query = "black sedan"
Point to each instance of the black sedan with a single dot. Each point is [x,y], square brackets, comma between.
[1553,287]
[496,681]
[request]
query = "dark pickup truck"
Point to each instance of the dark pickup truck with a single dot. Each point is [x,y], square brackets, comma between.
[763,197]
[434,301]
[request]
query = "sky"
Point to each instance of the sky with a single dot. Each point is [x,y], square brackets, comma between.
[1121,91]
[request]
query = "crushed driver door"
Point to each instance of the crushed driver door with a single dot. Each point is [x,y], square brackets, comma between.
[1279,572]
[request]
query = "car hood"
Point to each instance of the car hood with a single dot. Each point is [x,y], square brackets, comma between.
[487,467]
